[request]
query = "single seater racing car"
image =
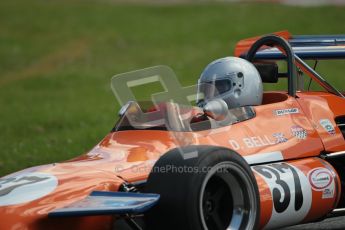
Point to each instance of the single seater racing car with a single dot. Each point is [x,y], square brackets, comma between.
[171,166]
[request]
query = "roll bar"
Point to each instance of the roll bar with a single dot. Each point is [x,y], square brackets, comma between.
[280,43]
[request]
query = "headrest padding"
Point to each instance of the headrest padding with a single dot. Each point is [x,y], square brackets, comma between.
[268,71]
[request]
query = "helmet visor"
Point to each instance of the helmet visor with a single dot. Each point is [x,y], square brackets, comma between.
[222,86]
[209,90]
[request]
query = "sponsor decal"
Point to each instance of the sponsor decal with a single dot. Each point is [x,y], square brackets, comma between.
[280,138]
[291,193]
[283,112]
[26,187]
[328,193]
[299,132]
[320,178]
[328,126]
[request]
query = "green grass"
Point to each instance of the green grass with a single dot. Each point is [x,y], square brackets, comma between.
[57,58]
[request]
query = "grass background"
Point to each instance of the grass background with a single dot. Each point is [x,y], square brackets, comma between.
[57,59]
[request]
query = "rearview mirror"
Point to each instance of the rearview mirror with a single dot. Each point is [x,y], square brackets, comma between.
[216,109]
[124,108]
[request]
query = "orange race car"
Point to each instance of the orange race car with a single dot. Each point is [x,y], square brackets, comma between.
[243,158]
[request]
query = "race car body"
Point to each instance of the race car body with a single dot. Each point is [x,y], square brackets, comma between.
[268,166]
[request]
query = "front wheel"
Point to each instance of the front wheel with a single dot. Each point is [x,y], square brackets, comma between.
[215,190]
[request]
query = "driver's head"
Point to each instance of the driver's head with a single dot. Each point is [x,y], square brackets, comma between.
[232,79]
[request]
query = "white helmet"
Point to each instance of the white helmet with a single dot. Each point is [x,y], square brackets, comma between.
[232,79]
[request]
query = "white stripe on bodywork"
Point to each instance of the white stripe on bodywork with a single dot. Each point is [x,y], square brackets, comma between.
[259,158]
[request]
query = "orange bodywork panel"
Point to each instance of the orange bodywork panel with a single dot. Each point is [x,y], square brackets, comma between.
[319,106]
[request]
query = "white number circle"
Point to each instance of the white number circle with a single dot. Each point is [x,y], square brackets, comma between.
[26,187]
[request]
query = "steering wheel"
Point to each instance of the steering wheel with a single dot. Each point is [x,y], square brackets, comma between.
[275,41]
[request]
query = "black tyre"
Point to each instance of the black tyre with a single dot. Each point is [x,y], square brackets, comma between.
[215,190]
